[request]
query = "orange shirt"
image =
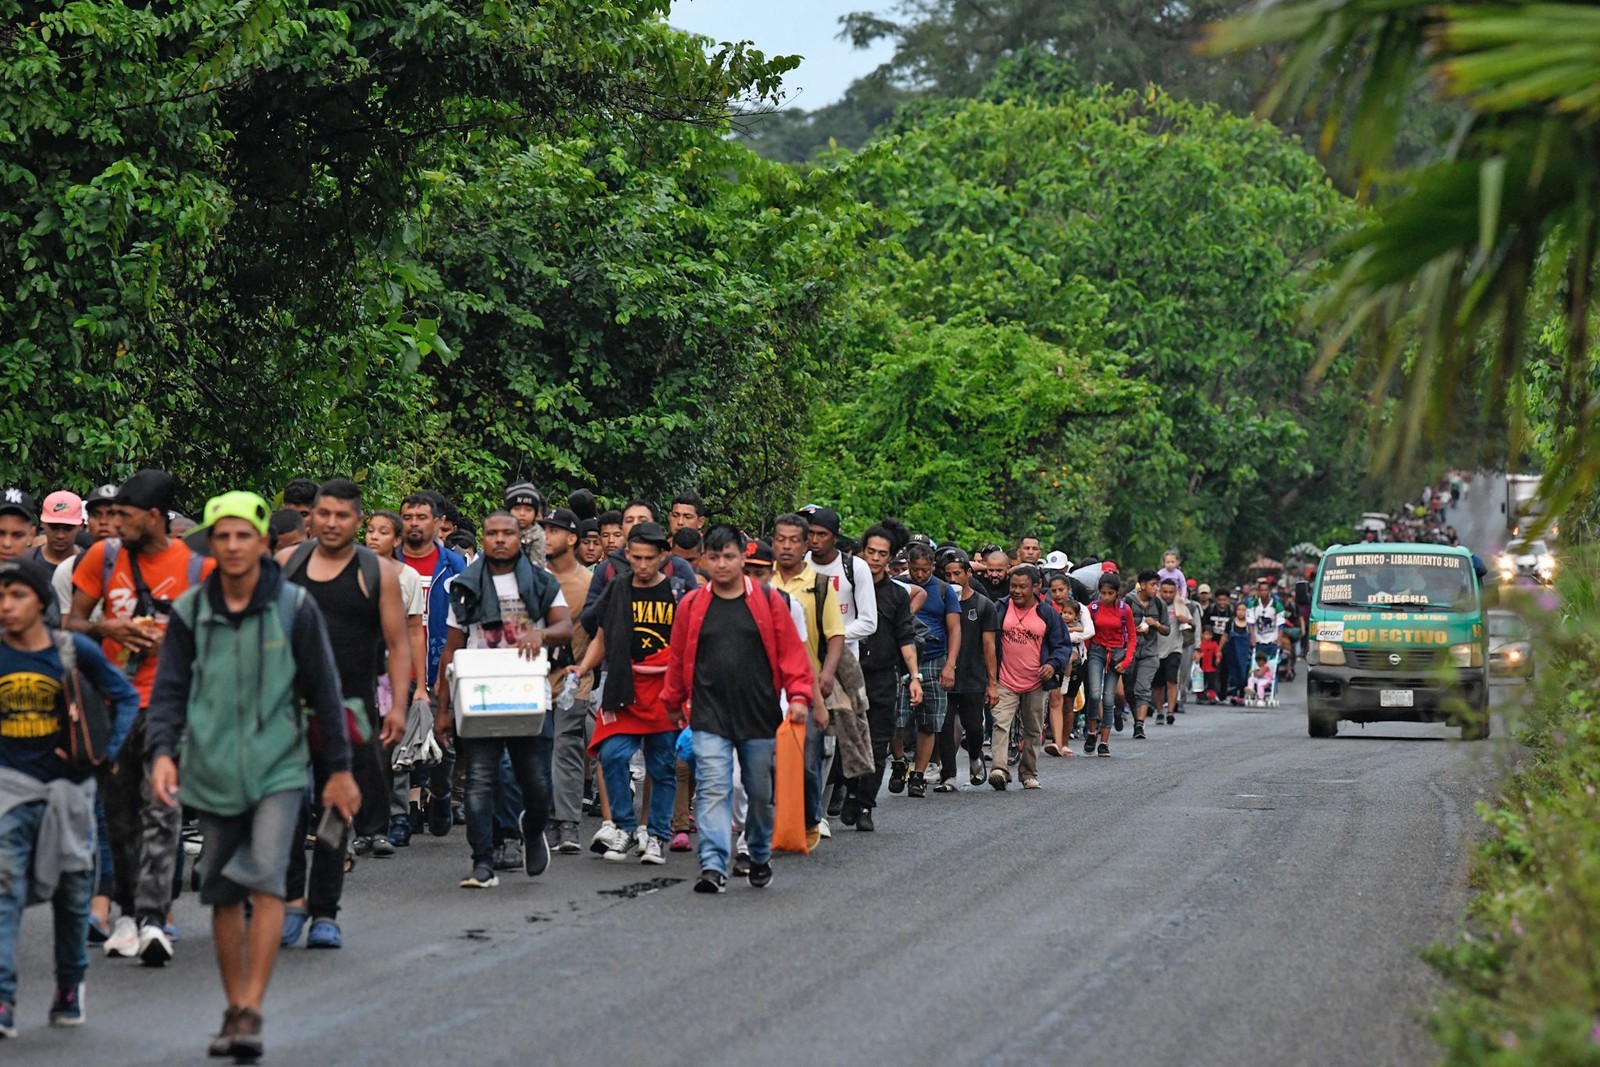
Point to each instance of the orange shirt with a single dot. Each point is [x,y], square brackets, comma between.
[166,574]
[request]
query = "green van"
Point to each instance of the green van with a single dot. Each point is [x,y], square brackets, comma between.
[1397,635]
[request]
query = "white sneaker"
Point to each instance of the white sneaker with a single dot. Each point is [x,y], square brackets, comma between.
[652,852]
[124,939]
[822,828]
[155,947]
[618,846]
[641,839]
[601,841]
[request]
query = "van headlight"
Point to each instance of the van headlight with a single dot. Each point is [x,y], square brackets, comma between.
[1469,654]
[1329,654]
[1547,566]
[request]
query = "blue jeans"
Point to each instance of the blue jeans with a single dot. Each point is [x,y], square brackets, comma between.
[713,804]
[507,803]
[530,766]
[19,830]
[815,752]
[660,763]
[1102,686]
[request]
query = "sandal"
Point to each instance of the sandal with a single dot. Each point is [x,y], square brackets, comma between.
[1051,749]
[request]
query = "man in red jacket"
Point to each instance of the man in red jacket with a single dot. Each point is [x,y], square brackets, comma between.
[719,632]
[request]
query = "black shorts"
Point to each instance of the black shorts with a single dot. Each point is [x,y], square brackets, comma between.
[1167,669]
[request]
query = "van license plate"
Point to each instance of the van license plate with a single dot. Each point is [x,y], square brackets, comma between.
[1395,698]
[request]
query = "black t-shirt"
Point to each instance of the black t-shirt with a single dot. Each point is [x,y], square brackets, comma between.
[733,691]
[653,612]
[977,618]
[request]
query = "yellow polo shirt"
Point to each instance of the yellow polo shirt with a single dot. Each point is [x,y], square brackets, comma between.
[803,587]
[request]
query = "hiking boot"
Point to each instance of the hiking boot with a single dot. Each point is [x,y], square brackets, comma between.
[917,784]
[897,776]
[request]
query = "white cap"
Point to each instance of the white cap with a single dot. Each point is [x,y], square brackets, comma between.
[1057,561]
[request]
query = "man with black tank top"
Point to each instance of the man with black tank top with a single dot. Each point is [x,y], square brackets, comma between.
[359,596]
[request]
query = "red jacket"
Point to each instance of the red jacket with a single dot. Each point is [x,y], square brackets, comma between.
[786,653]
[1113,629]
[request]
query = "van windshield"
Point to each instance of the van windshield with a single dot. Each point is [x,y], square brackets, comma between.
[1398,581]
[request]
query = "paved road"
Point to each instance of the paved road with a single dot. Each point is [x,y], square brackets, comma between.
[1229,892]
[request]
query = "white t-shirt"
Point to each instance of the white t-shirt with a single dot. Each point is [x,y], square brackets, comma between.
[411,594]
[513,616]
[857,599]
[1264,620]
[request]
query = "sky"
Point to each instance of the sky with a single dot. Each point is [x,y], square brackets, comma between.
[784,27]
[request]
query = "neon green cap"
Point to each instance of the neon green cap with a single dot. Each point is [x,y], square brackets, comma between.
[238,504]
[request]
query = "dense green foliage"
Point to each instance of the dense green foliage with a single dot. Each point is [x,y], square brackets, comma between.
[1149,259]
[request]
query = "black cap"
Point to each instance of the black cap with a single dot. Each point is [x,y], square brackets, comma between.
[651,533]
[759,553]
[587,527]
[563,519]
[105,494]
[826,518]
[149,489]
[18,502]
[31,574]
[523,493]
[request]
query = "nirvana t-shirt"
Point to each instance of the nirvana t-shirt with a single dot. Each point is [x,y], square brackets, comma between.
[513,623]
[733,691]
[977,619]
[653,611]
[30,712]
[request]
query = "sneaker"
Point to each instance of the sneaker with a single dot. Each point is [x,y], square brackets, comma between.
[361,846]
[1172,719]
[509,857]
[848,813]
[1105,749]
[382,847]
[619,847]
[324,934]
[222,1044]
[917,784]
[439,816]
[980,772]
[482,877]
[600,843]
[536,850]
[836,803]
[680,842]
[400,832]
[641,838]
[124,940]
[155,947]
[567,839]
[8,1020]
[946,786]
[653,853]
[711,882]
[294,924]
[741,865]
[897,776]
[824,831]
[864,821]
[67,1007]
[1031,783]
[246,1035]
[760,875]
[998,778]
[192,841]
[1138,731]
[813,837]
[98,932]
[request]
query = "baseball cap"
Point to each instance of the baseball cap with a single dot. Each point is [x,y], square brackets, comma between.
[1203,589]
[1057,561]
[62,508]
[31,574]
[523,493]
[563,519]
[105,494]
[826,518]
[148,489]
[1192,584]
[238,504]
[759,554]
[589,526]
[18,502]
[651,533]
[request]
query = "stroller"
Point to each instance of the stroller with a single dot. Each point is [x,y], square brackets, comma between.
[1257,696]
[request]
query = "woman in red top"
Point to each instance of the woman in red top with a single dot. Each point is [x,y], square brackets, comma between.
[1110,653]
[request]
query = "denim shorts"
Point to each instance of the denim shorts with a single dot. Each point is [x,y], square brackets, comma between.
[928,716]
[248,853]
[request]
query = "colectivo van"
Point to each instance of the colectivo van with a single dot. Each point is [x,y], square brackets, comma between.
[1397,634]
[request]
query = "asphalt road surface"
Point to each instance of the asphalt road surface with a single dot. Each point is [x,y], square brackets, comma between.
[1227,892]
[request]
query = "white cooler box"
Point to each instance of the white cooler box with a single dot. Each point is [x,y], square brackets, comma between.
[494,692]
